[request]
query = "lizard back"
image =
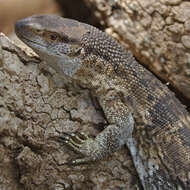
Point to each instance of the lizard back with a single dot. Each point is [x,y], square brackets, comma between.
[162,130]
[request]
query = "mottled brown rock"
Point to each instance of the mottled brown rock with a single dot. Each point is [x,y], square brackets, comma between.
[157,32]
[33,111]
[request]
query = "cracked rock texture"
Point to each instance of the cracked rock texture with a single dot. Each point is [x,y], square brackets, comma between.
[36,106]
[157,32]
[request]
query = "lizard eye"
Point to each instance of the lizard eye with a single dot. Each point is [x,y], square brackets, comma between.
[53,37]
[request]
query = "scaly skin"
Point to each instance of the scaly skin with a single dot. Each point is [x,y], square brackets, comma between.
[141,111]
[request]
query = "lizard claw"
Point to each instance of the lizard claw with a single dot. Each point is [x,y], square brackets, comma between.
[81,143]
[93,149]
[75,141]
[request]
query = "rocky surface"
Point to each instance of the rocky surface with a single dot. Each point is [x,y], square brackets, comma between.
[36,106]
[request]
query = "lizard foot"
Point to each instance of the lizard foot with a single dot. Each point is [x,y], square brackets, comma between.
[80,143]
[111,139]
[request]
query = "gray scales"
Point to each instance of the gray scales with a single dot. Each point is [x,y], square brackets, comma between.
[141,111]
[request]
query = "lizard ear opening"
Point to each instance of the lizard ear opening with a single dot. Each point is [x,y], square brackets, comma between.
[78,51]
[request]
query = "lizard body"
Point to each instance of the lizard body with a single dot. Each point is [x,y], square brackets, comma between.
[141,111]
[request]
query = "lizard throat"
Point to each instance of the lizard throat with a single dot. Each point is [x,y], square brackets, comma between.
[63,64]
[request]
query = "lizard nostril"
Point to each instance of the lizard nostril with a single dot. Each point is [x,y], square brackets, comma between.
[22,25]
[18,25]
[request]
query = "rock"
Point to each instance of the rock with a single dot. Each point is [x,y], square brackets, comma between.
[33,112]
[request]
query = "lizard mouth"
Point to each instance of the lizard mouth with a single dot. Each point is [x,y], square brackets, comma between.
[29,41]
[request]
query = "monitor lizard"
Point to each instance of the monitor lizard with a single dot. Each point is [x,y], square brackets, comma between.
[141,111]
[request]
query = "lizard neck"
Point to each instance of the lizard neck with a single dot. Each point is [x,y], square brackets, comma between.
[96,75]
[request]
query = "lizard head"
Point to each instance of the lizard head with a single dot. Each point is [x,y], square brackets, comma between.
[55,39]
[68,45]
